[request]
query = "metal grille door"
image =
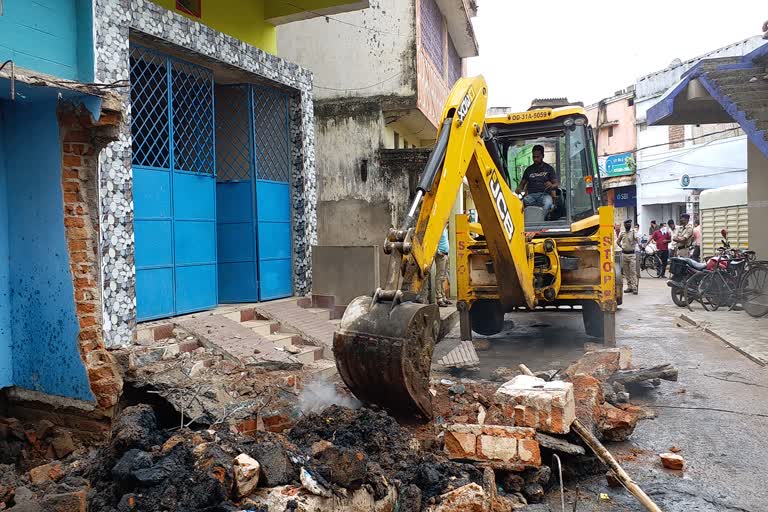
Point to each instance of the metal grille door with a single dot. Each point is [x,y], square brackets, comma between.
[174,169]
[271,135]
[253,159]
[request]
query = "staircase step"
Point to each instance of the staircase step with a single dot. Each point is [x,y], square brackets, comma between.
[322,368]
[309,354]
[325,314]
[323,301]
[262,327]
[283,339]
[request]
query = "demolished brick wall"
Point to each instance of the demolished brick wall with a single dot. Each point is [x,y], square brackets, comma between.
[81,140]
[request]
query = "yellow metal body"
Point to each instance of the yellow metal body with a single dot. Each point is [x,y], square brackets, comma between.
[501,264]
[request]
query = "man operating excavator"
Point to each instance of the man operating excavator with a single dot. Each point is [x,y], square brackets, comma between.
[539,182]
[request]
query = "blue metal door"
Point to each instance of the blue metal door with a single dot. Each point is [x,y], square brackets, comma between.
[174,166]
[235,199]
[253,195]
[272,148]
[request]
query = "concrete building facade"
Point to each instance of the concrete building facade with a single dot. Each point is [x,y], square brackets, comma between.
[155,159]
[613,123]
[675,163]
[725,90]
[382,76]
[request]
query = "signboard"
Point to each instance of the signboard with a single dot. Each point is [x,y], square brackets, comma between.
[625,196]
[622,164]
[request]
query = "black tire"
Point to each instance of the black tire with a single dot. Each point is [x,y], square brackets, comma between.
[652,265]
[678,297]
[486,317]
[754,291]
[713,291]
[592,316]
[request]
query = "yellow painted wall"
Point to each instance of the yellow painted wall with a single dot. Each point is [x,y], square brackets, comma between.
[241,19]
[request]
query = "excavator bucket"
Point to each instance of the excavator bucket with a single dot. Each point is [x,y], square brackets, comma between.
[384,353]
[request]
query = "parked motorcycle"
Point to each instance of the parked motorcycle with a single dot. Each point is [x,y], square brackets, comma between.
[685,276]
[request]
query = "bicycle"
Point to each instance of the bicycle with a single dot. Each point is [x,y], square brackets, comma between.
[650,261]
[753,292]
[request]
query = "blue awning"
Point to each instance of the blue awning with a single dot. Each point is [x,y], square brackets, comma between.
[720,90]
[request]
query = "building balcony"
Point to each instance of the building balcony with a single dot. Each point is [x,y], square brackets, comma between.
[278,13]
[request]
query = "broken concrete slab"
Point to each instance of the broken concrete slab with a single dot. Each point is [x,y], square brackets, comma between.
[663,371]
[463,356]
[601,363]
[538,404]
[503,447]
[233,340]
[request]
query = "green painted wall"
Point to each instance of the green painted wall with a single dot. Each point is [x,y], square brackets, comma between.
[241,19]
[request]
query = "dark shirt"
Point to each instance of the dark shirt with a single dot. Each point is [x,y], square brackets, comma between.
[537,176]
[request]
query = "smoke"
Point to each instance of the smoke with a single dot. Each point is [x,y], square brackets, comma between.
[319,394]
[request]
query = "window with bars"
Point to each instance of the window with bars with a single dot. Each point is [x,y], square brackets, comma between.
[454,63]
[172,113]
[432,33]
[271,130]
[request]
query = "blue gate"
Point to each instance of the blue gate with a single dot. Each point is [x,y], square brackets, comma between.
[253,159]
[174,171]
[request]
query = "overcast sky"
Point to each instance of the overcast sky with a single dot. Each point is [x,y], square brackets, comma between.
[587,50]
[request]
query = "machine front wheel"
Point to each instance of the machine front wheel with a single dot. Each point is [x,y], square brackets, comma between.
[486,317]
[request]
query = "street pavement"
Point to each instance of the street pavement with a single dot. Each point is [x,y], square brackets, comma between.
[717,412]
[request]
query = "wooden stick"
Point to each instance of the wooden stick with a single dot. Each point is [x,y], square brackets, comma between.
[605,456]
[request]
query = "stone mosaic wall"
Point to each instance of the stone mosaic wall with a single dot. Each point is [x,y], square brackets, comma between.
[115,21]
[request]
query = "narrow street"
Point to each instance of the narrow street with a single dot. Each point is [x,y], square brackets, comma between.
[716,413]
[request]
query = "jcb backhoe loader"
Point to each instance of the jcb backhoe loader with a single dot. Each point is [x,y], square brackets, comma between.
[512,259]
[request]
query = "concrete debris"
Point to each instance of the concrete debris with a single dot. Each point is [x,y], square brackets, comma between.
[502,447]
[655,373]
[469,498]
[312,485]
[601,363]
[247,471]
[672,461]
[545,406]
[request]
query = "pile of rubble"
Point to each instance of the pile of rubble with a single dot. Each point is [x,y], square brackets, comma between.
[234,437]
[40,468]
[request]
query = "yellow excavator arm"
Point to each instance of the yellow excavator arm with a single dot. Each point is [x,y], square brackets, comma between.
[384,344]
[461,151]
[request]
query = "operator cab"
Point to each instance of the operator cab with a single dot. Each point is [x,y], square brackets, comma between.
[566,140]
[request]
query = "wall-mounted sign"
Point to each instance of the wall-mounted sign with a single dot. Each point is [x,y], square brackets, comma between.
[616,165]
[685,180]
[625,196]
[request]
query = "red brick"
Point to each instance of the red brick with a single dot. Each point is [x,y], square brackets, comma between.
[556,416]
[84,308]
[72,160]
[79,149]
[84,283]
[87,334]
[74,222]
[67,148]
[76,245]
[87,321]
[70,174]
[460,445]
[78,136]
[528,452]
[520,415]
[71,197]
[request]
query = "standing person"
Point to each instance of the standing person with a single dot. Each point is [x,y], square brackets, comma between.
[441,265]
[684,235]
[662,237]
[638,250]
[696,255]
[653,228]
[539,182]
[672,232]
[627,241]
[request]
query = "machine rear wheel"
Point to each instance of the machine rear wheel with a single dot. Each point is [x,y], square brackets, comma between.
[486,317]
[593,319]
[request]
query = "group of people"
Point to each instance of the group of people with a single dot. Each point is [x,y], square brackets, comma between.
[670,240]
